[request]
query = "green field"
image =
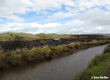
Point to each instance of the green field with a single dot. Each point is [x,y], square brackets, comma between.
[9,36]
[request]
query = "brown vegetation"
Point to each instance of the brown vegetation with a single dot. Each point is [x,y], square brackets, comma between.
[22,56]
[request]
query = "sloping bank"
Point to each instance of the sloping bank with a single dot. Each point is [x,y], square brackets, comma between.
[22,56]
[99,68]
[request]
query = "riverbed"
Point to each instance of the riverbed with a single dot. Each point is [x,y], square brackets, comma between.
[63,68]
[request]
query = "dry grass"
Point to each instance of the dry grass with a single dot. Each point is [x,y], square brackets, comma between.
[22,56]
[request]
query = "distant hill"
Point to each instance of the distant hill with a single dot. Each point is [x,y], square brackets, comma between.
[105,34]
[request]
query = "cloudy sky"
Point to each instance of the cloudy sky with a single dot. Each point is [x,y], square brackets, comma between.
[55,16]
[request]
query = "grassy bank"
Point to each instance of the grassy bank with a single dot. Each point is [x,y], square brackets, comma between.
[99,66]
[10,36]
[22,56]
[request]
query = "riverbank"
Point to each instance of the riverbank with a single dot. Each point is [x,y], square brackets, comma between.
[22,56]
[99,67]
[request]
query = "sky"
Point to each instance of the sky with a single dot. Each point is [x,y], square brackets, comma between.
[55,16]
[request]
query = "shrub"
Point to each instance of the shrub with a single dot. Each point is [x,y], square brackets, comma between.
[72,44]
[3,64]
[15,59]
[107,48]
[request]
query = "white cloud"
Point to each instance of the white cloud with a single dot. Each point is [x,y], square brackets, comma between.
[69,3]
[87,4]
[9,7]
[15,18]
[52,25]
[91,20]
[60,15]
[27,27]
[73,26]
[107,7]
[96,17]
[74,23]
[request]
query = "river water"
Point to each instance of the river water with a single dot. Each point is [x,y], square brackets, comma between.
[57,69]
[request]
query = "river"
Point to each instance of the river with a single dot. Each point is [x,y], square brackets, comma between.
[63,68]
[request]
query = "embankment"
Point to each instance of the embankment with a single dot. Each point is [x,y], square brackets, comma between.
[99,67]
[22,56]
[29,44]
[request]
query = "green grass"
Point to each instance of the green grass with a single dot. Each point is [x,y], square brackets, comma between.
[99,66]
[9,36]
[107,49]
[47,36]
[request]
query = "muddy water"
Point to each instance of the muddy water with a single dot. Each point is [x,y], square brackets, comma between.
[58,69]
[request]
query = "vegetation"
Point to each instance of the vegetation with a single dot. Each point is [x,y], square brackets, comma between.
[9,36]
[47,36]
[99,66]
[107,49]
[21,56]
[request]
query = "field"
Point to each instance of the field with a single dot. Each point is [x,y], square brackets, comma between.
[9,36]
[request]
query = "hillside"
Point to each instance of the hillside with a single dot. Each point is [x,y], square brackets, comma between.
[9,36]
